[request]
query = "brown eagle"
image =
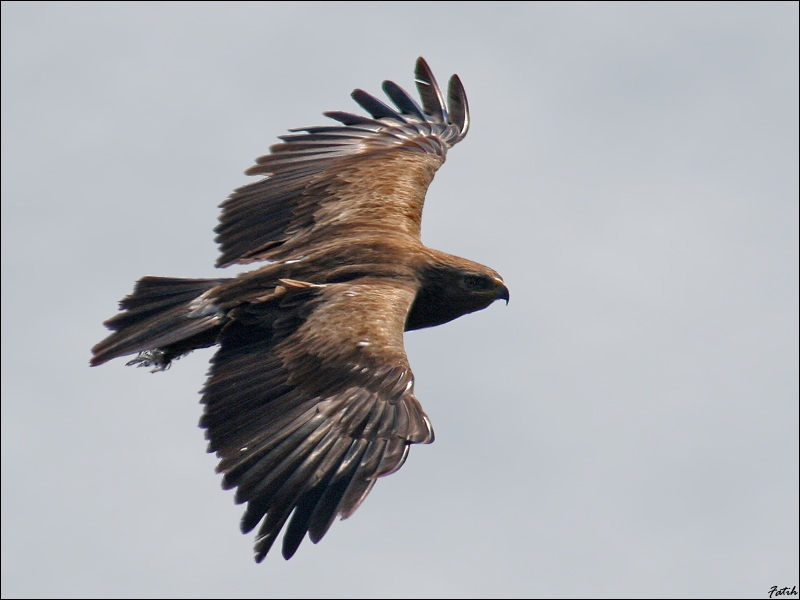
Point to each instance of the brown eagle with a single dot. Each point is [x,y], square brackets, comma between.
[310,397]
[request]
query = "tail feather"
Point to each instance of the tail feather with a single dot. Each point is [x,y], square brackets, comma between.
[161,314]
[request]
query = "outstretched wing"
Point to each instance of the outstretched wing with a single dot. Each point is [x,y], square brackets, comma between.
[338,180]
[310,399]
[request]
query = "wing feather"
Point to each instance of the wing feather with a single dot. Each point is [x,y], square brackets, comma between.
[375,107]
[458,105]
[403,100]
[430,92]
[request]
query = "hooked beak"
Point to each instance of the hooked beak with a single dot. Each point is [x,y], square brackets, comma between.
[502,292]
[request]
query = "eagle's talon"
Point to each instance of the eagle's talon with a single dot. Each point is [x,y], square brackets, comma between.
[157,359]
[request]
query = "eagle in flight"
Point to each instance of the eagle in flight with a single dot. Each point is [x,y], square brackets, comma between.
[310,397]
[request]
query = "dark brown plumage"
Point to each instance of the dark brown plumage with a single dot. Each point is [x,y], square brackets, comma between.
[310,397]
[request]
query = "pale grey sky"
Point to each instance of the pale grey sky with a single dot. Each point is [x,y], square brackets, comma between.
[626,427]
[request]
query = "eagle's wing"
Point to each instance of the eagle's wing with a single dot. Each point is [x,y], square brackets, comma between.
[310,398]
[340,180]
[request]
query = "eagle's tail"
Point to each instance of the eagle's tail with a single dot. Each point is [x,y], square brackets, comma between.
[162,319]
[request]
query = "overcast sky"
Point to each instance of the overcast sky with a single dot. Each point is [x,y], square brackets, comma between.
[626,427]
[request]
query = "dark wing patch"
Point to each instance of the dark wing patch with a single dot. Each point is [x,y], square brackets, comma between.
[367,172]
[310,399]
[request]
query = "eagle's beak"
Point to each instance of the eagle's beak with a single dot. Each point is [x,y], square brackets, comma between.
[502,292]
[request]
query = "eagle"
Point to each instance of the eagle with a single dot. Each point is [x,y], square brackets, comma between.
[310,396]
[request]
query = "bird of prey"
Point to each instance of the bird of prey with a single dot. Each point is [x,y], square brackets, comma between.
[310,397]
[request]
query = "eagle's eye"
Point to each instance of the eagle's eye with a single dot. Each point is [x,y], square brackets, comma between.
[476,283]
